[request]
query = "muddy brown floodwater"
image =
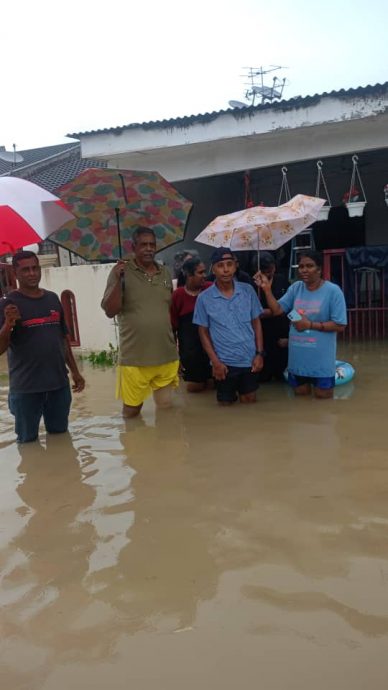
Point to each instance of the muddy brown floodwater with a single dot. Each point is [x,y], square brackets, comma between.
[200,547]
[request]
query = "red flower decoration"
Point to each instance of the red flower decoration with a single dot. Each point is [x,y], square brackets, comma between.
[351,196]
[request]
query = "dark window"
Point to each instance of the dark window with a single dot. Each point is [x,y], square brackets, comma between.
[47,247]
[70,310]
[7,279]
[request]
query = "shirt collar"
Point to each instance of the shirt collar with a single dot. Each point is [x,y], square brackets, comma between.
[237,290]
[142,270]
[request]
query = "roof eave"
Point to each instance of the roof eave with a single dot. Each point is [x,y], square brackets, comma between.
[238,113]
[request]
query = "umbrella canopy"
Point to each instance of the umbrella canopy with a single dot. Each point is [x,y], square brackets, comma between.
[28,213]
[109,204]
[262,227]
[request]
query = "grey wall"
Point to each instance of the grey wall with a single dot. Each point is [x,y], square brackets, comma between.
[211,196]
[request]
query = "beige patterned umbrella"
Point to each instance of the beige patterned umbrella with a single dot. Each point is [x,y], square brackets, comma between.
[262,227]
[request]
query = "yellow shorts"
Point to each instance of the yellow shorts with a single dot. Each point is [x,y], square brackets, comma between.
[135,384]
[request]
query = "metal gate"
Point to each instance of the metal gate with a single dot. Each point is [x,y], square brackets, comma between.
[364,290]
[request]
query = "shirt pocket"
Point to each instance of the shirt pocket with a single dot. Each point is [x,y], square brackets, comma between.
[242,311]
[217,313]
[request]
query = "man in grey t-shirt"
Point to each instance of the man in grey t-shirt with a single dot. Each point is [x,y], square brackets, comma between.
[34,334]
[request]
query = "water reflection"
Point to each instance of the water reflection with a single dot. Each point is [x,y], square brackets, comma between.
[230,524]
[43,590]
[167,568]
[54,544]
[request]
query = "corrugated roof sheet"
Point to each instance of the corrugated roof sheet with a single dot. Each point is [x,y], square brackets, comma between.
[238,113]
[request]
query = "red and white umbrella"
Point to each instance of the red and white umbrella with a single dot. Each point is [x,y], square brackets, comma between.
[28,214]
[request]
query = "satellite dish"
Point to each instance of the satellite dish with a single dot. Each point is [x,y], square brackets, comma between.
[31,248]
[10,157]
[238,104]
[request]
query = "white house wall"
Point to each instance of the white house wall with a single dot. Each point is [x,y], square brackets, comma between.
[238,140]
[87,282]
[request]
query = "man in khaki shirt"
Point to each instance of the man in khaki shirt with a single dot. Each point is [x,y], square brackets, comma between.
[148,361]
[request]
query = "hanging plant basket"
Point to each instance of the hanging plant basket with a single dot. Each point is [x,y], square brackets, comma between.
[285,194]
[324,213]
[353,198]
[355,208]
[325,210]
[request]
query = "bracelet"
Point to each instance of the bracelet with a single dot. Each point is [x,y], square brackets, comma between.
[260,353]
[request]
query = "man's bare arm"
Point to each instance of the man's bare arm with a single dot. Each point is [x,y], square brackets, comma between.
[11,315]
[113,298]
[78,379]
[219,368]
[5,337]
[258,331]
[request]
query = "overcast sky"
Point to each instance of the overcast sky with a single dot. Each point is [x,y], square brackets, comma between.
[78,66]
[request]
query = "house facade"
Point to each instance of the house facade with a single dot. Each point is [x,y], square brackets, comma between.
[219,160]
[206,156]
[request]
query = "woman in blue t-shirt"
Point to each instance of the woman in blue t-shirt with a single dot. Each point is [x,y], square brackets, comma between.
[318,312]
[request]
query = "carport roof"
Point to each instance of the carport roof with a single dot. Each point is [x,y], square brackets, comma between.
[37,155]
[50,166]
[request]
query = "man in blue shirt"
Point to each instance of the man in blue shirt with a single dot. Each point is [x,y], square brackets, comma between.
[227,315]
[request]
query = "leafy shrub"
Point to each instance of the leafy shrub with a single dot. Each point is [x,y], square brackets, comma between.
[104,358]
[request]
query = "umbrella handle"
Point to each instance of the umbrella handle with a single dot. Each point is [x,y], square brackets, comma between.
[122,279]
[117,212]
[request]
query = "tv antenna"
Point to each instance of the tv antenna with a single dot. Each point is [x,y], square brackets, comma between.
[257,89]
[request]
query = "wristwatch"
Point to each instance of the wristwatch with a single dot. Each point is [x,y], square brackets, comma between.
[261,353]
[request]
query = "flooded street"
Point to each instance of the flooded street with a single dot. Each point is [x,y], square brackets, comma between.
[200,547]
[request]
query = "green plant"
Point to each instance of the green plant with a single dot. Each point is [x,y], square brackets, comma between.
[104,358]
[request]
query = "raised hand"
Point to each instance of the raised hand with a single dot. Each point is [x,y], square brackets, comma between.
[262,281]
[11,314]
[119,268]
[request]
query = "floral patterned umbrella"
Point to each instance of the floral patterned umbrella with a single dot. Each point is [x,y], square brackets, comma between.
[262,227]
[109,204]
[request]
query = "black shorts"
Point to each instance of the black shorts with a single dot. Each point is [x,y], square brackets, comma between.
[239,380]
[196,369]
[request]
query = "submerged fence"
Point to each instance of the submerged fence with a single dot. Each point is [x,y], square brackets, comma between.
[365,288]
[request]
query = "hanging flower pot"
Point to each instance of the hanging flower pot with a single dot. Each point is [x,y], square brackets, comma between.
[353,198]
[324,213]
[355,208]
[285,194]
[325,210]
